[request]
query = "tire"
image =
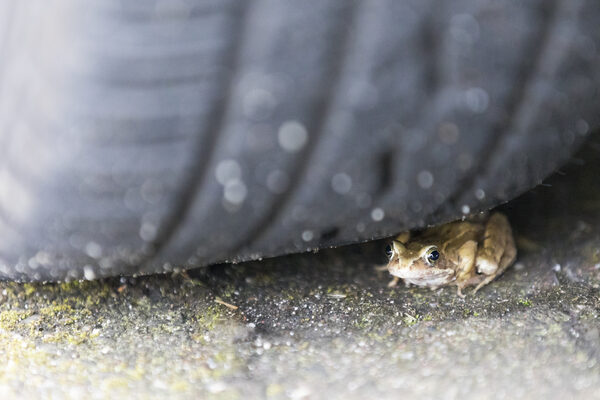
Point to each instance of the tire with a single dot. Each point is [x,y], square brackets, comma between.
[139,137]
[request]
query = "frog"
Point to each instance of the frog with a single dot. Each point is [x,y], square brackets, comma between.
[464,253]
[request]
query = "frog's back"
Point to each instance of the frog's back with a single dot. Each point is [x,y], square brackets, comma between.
[453,234]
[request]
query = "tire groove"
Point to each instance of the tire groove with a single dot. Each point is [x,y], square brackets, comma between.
[432,82]
[514,104]
[204,149]
[5,130]
[8,29]
[321,116]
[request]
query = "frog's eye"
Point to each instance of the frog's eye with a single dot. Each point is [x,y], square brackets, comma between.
[432,255]
[388,250]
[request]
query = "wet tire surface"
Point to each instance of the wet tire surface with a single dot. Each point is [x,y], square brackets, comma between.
[139,137]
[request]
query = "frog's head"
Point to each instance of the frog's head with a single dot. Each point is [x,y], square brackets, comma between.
[422,265]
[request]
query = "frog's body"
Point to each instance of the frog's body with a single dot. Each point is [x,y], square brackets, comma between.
[464,253]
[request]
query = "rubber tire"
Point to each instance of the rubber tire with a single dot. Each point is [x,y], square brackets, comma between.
[143,136]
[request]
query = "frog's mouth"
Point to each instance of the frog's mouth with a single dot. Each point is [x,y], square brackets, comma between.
[431,277]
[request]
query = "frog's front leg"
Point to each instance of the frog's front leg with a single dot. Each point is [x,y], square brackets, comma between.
[395,279]
[498,250]
[466,265]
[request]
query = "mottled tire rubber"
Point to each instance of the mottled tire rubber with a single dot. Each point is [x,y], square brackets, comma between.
[143,136]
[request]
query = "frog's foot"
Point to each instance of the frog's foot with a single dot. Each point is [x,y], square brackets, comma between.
[381,268]
[485,279]
[393,282]
[509,256]
[466,283]
[486,265]
[497,244]
[484,282]
[498,251]
[459,292]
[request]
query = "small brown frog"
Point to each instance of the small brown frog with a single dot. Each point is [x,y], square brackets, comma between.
[463,253]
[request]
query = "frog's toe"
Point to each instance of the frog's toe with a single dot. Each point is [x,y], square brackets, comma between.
[393,282]
[483,283]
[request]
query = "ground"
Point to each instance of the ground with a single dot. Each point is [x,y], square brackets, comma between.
[325,325]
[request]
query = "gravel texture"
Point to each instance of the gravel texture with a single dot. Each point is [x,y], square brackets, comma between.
[325,325]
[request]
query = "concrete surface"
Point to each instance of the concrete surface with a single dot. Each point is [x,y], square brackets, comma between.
[325,326]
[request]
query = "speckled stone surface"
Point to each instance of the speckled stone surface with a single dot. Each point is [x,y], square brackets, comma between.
[325,326]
